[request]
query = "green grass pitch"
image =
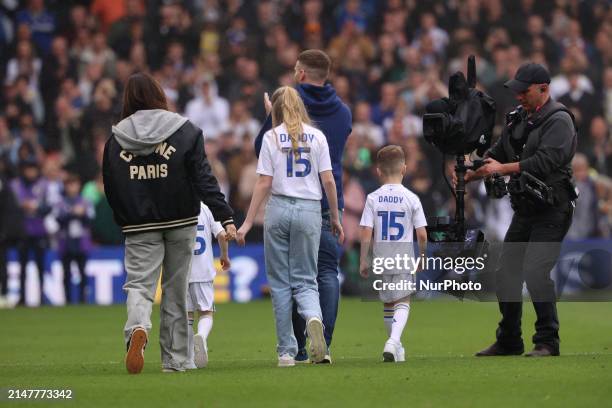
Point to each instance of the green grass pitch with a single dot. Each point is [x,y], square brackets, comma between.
[81,348]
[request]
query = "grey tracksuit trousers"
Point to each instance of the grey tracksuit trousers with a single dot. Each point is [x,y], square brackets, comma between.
[145,254]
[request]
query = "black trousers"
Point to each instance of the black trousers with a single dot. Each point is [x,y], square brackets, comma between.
[38,245]
[81,260]
[531,249]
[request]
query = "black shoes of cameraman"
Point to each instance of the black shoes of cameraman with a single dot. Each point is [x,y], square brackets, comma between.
[496,350]
[540,350]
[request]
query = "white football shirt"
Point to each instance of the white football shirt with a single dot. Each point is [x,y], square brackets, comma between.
[393,212]
[202,265]
[294,176]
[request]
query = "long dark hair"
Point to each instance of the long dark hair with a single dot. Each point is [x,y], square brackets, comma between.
[142,92]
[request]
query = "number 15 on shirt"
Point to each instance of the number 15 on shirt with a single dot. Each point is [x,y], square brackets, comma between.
[291,156]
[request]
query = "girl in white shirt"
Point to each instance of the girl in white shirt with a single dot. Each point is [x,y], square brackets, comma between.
[293,156]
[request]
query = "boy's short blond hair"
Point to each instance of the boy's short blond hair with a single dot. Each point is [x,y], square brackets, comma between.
[390,160]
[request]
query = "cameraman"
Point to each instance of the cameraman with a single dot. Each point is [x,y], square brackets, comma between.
[535,150]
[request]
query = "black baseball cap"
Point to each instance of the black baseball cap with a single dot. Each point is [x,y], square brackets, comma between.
[527,74]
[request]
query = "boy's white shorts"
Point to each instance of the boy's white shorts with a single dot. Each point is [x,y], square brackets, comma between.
[201,297]
[392,296]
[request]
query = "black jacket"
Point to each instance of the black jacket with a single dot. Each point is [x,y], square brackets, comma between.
[549,143]
[156,173]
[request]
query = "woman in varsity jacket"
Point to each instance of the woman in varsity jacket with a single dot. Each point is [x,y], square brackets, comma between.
[155,175]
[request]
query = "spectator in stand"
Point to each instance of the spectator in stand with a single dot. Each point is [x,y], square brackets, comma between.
[56,67]
[242,123]
[98,51]
[438,36]
[369,133]
[410,124]
[249,87]
[107,11]
[24,64]
[31,189]
[599,150]
[386,107]
[74,215]
[583,104]
[586,214]
[41,22]
[124,31]
[208,110]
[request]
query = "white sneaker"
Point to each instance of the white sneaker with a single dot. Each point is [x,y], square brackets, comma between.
[4,303]
[401,355]
[392,352]
[318,347]
[326,360]
[285,360]
[172,370]
[200,354]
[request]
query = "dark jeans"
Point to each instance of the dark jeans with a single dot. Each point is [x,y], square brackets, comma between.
[81,260]
[38,245]
[531,249]
[328,283]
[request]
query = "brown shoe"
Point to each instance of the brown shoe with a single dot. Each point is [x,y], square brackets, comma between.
[496,350]
[542,350]
[134,359]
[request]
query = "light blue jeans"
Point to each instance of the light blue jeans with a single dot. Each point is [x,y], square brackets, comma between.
[292,230]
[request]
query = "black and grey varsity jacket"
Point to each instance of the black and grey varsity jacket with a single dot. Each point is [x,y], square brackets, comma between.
[156,173]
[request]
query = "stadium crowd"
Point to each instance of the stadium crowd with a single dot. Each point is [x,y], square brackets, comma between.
[64,65]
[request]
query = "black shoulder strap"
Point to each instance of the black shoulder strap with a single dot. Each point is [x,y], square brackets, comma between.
[532,125]
[542,119]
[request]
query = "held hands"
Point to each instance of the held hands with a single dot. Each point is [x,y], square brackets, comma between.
[230,232]
[241,234]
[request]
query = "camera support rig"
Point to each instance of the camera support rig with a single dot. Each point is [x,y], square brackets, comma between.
[461,170]
[458,125]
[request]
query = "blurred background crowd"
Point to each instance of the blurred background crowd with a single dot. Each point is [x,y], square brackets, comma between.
[64,64]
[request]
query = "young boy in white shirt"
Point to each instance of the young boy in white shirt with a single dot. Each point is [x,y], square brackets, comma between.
[392,213]
[200,293]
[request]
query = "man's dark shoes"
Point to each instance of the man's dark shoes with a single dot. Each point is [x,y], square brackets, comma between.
[496,350]
[543,350]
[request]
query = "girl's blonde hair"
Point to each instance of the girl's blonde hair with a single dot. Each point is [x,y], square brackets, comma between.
[288,108]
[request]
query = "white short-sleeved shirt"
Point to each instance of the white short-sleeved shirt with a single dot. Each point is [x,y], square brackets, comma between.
[294,176]
[393,212]
[202,265]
